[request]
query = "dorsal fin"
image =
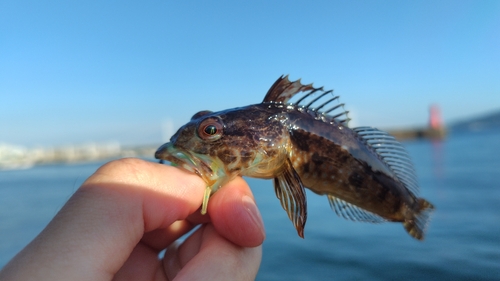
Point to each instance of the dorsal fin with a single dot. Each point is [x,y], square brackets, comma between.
[392,153]
[282,90]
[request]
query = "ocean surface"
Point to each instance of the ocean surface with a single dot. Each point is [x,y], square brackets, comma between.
[460,176]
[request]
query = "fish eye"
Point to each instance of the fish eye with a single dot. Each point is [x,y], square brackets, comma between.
[210,129]
[200,113]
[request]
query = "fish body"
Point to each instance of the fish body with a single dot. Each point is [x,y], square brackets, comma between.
[365,173]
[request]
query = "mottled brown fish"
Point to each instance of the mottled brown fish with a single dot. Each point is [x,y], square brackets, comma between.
[365,173]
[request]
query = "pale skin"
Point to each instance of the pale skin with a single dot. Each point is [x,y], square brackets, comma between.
[118,221]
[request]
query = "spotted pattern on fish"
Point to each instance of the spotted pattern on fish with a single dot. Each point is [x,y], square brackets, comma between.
[365,174]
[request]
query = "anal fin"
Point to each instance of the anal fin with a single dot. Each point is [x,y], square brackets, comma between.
[352,212]
[292,196]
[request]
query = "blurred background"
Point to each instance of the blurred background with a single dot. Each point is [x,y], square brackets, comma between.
[82,82]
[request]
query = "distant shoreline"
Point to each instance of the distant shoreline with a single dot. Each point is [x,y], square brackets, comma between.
[16,157]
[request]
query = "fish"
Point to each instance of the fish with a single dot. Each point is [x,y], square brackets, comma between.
[365,173]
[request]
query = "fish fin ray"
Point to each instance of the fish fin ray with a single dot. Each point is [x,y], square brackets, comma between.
[417,225]
[283,89]
[392,153]
[292,196]
[315,106]
[351,212]
[315,100]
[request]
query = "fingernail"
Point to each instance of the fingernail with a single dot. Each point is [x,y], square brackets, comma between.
[253,211]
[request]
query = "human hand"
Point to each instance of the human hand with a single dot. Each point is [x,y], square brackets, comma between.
[118,221]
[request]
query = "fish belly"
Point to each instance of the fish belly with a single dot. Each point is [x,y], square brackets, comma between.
[330,168]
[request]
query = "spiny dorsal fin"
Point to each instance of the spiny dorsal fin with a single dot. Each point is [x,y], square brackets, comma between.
[392,153]
[282,90]
[352,212]
[324,105]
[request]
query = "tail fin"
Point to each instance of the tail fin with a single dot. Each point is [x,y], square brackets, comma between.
[416,225]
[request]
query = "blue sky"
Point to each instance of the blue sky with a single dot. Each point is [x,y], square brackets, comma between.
[82,71]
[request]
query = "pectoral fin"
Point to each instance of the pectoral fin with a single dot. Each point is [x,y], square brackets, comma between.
[291,193]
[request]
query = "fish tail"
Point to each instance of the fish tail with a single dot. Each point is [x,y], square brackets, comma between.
[417,224]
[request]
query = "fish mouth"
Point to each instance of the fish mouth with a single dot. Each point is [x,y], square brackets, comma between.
[192,162]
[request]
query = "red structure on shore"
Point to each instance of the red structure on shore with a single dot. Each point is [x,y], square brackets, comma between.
[435,129]
[435,121]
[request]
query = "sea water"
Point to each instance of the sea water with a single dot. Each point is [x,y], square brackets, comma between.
[460,176]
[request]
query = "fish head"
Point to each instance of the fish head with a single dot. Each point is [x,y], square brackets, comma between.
[193,144]
[218,146]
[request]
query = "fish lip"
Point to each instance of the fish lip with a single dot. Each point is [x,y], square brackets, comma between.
[183,158]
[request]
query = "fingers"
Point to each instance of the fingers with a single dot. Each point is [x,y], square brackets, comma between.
[165,193]
[206,255]
[137,197]
[95,232]
[159,239]
[233,213]
[235,216]
[101,225]
[142,264]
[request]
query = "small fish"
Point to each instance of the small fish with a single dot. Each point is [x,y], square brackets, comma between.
[364,172]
